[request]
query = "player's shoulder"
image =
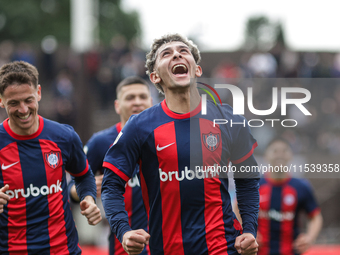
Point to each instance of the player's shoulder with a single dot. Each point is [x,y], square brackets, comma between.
[301,183]
[2,129]
[147,116]
[263,181]
[105,133]
[52,127]
[5,138]
[225,111]
[56,125]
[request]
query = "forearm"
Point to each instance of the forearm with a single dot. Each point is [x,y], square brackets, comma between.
[72,191]
[247,192]
[113,188]
[248,203]
[314,226]
[85,186]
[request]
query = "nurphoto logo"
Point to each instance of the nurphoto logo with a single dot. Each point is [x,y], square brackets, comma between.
[287,95]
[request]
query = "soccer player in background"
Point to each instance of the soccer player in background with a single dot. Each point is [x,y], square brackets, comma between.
[282,199]
[133,96]
[35,215]
[189,211]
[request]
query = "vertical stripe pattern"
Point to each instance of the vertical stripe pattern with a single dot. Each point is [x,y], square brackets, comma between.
[211,154]
[169,189]
[12,176]
[288,206]
[56,221]
[264,221]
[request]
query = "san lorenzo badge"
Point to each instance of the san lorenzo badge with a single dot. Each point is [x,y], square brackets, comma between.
[52,159]
[211,141]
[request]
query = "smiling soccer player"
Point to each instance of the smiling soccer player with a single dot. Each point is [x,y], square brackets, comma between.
[35,216]
[189,212]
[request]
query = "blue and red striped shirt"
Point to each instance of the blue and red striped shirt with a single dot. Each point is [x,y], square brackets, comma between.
[189,209]
[96,149]
[280,205]
[37,218]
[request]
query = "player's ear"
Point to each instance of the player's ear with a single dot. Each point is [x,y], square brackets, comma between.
[199,71]
[39,92]
[154,77]
[1,103]
[117,108]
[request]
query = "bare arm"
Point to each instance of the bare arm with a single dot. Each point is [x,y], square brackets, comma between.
[305,240]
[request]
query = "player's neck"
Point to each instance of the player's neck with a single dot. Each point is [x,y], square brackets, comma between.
[122,123]
[279,177]
[182,101]
[21,131]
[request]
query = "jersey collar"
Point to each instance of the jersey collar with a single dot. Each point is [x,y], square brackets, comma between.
[24,137]
[178,115]
[119,127]
[278,182]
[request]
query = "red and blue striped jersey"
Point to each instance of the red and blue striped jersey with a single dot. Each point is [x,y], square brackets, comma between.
[189,210]
[280,205]
[96,149]
[38,218]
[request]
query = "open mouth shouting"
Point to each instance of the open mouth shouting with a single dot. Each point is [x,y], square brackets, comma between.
[179,70]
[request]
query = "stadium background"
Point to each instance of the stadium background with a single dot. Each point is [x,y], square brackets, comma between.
[78,87]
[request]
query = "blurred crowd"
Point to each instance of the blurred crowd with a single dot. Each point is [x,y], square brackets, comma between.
[65,76]
[78,86]
[70,81]
[318,72]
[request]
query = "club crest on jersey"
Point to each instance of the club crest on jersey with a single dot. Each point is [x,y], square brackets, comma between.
[52,158]
[211,141]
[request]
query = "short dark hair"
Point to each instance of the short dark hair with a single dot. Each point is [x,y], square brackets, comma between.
[129,81]
[18,72]
[279,139]
[157,43]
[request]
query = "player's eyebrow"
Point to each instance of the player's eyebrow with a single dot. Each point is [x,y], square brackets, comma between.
[12,101]
[178,46]
[165,49]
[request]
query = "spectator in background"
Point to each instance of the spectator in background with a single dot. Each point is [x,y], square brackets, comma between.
[65,109]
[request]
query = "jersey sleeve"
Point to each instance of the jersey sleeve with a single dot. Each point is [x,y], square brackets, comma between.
[123,155]
[248,197]
[95,153]
[77,165]
[309,204]
[243,143]
[246,174]
[79,169]
[113,188]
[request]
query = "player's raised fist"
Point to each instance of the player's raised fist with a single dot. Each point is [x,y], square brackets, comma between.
[90,210]
[246,244]
[134,241]
[3,197]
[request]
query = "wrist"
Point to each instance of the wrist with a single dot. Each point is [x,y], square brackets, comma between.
[90,199]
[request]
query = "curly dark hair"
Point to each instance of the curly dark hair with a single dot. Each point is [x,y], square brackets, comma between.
[152,55]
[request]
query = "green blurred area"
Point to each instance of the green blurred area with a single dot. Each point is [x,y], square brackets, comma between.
[31,21]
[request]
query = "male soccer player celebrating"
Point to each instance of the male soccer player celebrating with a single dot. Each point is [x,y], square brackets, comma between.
[35,216]
[133,96]
[189,211]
